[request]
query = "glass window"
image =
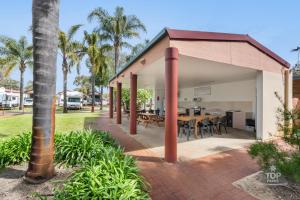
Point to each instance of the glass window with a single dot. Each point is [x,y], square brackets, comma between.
[74,99]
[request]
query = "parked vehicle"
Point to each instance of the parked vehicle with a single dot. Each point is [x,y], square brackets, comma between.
[74,100]
[8,101]
[28,102]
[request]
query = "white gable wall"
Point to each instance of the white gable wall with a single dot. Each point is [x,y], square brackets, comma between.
[267,103]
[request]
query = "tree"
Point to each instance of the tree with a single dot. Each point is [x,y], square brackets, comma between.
[9,83]
[16,53]
[45,17]
[84,83]
[29,86]
[143,95]
[102,79]
[117,28]
[96,61]
[296,69]
[136,49]
[69,50]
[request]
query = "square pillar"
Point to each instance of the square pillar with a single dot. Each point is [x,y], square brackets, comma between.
[111,102]
[119,102]
[133,97]
[171,92]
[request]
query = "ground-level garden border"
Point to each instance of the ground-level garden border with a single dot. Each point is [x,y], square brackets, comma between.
[103,171]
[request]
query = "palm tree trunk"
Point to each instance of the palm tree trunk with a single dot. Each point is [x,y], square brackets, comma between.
[93,93]
[21,88]
[45,17]
[65,74]
[101,97]
[117,57]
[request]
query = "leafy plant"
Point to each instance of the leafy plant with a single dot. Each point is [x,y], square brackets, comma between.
[287,122]
[79,147]
[105,172]
[291,167]
[266,153]
[109,178]
[143,95]
[15,150]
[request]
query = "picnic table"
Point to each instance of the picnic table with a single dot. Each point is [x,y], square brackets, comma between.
[148,118]
[198,118]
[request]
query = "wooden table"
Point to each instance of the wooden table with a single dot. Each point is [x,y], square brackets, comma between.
[199,118]
[146,118]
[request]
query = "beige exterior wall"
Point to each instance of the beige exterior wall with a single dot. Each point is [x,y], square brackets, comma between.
[237,95]
[236,53]
[267,84]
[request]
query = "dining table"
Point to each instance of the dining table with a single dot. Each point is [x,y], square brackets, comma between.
[147,118]
[198,118]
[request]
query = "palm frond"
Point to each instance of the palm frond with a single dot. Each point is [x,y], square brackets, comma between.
[296,49]
[98,13]
[73,30]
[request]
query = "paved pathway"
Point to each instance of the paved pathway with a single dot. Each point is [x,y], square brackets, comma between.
[206,178]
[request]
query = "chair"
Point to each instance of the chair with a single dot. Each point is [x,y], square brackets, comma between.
[222,122]
[215,124]
[151,111]
[189,128]
[143,111]
[157,111]
[180,128]
[205,127]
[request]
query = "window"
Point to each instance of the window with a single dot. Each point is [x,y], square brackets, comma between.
[203,90]
[74,100]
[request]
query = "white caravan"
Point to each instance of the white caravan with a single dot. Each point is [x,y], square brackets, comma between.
[8,99]
[74,100]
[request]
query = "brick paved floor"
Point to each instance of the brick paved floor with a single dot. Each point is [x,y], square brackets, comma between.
[209,177]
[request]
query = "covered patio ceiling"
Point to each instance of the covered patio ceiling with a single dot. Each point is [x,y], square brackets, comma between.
[192,72]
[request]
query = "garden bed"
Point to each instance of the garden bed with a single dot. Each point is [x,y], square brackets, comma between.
[91,164]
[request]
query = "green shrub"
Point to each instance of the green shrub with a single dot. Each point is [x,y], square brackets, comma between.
[266,153]
[15,150]
[78,147]
[111,178]
[104,173]
[290,167]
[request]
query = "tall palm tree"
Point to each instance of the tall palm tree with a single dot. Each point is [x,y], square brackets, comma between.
[96,61]
[102,79]
[16,53]
[45,17]
[69,51]
[117,28]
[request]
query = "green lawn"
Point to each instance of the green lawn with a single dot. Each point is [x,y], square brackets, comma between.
[13,125]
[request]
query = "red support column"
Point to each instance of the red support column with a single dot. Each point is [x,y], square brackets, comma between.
[171,92]
[119,97]
[133,96]
[111,102]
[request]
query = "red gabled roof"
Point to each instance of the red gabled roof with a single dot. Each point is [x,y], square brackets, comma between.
[175,34]
[213,36]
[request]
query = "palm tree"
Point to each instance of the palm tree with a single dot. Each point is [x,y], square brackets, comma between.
[16,54]
[45,17]
[102,79]
[83,83]
[117,28]
[136,49]
[96,58]
[69,51]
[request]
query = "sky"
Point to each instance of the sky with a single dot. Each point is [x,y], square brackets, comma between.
[274,23]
